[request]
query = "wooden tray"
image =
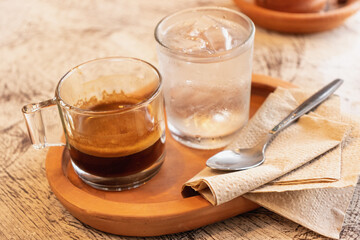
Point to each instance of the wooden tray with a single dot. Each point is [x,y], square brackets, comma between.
[157,207]
[298,22]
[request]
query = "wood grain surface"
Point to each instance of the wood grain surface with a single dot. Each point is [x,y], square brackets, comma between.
[41,40]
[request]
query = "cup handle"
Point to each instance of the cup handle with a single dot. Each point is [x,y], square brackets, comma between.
[44,124]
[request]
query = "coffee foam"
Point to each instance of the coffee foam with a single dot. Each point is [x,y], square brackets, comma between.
[120,147]
[115,134]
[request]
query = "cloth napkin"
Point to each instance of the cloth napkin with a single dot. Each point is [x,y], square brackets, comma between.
[307,165]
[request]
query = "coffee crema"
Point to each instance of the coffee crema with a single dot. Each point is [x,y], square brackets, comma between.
[118,144]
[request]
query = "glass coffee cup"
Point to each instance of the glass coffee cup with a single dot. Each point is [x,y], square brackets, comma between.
[112,117]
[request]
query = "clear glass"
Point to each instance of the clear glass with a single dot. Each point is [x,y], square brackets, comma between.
[113,118]
[205,58]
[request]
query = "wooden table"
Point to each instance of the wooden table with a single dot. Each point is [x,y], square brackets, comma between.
[41,40]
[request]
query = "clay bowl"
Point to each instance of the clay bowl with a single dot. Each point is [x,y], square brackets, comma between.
[293,6]
[332,16]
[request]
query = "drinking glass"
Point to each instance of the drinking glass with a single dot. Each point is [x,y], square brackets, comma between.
[205,58]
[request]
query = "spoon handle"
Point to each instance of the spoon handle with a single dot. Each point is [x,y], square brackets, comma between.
[308,105]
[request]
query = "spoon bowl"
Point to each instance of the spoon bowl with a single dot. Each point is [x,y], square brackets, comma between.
[239,159]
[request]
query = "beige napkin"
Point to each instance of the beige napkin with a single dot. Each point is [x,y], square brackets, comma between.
[297,145]
[350,165]
[320,209]
[326,167]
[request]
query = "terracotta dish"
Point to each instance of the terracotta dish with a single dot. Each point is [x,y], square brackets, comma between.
[158,207]
[294,6]
[332,16]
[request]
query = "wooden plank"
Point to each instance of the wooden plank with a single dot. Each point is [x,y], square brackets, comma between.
[41,40]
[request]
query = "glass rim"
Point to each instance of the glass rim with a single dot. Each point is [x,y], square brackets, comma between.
[149,99]
[196,9]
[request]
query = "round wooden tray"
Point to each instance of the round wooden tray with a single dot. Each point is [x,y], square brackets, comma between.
[298,22]
[156,208]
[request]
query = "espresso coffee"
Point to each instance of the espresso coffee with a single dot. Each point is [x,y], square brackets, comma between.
[116,145]
[117,166]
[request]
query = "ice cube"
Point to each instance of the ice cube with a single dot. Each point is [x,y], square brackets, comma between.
[224,34]
[184,37]
[206,34]
[218,38]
